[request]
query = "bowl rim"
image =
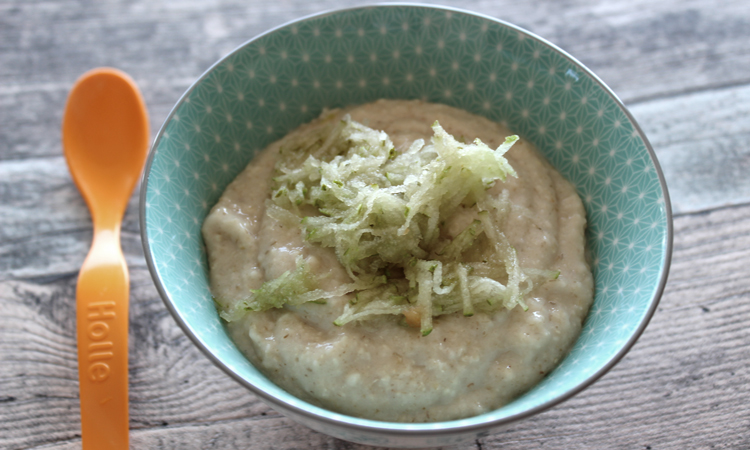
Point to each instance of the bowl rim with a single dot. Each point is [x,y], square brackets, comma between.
[402,429]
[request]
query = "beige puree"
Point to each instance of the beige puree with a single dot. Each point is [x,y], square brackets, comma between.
[381,369]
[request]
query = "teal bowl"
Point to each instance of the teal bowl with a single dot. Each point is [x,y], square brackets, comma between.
[286,77]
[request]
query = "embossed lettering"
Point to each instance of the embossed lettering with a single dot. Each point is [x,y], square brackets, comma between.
[100,346]
[98,330]
[101,310]
[99,371]
[100,350]
[100,356]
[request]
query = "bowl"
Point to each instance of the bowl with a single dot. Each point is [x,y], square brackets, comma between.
[287,76]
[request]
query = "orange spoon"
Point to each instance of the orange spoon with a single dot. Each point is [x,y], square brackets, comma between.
[105,139]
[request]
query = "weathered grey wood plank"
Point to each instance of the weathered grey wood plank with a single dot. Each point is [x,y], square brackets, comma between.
[684,384]
[45,227]
[642,49]
[702,141]
[170,380]
[683,66]
[271,433]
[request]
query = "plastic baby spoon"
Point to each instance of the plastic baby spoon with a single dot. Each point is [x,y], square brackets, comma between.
[105,138]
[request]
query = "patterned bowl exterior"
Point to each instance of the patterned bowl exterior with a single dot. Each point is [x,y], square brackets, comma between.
[284,78]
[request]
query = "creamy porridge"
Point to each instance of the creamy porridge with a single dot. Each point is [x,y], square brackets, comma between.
[372,361]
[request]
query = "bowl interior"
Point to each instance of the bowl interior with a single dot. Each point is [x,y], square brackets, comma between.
[286,77]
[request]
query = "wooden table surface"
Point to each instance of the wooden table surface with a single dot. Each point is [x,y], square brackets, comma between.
[682,67]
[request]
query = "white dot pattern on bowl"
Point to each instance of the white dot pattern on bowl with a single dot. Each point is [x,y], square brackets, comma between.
[285,78]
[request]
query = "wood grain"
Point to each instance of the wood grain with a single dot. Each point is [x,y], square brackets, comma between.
[683,67]
[702,141]
[688,368]
[642,49]
[39,239]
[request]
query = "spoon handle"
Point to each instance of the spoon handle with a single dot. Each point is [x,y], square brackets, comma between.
[102,329]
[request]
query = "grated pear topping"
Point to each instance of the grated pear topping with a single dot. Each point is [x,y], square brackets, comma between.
[383,211]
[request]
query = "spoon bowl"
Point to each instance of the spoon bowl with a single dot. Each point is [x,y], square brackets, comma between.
[105,138]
